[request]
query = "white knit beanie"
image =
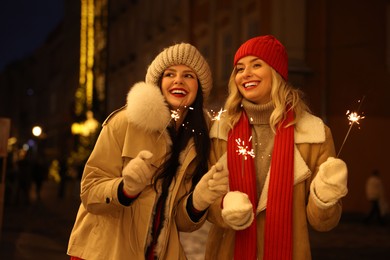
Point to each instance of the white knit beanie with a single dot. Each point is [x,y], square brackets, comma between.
[181,54]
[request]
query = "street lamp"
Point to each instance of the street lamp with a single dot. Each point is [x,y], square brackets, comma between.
[37,131]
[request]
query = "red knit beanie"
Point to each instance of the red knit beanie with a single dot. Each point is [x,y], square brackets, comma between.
[267,48]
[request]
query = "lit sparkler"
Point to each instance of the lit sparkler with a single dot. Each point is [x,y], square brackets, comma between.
[353,118]
[175,116]
[217,118]
[242,149]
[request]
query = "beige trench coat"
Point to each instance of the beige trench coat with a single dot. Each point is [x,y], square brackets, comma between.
[313,145]
[104,228]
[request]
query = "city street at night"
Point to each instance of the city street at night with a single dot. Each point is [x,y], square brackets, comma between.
[136,84]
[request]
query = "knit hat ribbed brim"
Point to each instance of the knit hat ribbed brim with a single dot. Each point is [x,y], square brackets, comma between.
[181,54]
[267,48]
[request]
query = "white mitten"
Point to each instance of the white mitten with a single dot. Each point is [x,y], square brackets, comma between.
[138,173]
[213,185]
[237,210]
[330,183]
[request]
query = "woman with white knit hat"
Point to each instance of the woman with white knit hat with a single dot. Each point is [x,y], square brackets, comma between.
[148,178]
[283,174]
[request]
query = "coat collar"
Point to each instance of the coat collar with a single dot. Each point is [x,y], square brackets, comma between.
[147,108]
[309,129]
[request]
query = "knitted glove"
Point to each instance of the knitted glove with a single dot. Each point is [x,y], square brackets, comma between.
[330,184]
[237,210]
[137,174]
[213,185]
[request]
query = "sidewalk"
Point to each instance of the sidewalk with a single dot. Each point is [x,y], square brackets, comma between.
[41,231]
[352,239]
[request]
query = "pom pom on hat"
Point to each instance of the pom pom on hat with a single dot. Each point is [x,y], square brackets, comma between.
[181,54]
[267,48]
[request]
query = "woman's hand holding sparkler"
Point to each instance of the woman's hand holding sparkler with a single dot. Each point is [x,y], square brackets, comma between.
[214,184]
[237,210]
[330,183]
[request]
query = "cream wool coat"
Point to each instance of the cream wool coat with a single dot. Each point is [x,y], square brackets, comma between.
[104,228]
[313,145]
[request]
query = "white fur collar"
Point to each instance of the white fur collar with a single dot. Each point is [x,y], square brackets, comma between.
[309,129]
[146,107]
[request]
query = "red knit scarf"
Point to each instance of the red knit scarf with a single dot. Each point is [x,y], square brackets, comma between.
[278,228]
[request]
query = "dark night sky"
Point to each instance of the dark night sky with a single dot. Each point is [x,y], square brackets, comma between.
[24,26]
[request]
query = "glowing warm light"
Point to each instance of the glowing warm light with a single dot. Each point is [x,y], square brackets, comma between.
[87,127]
[37,131]
[90,52]
[12,141]
[83,42]
[84,93]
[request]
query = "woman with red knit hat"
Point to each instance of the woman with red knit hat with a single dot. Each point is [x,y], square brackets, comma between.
[283,174]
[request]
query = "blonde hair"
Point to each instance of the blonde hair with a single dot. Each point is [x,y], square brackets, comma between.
[283,96]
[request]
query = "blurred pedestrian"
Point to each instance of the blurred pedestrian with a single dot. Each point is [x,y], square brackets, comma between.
[283,174]
[24,177]
[147,178]
[375,194]
[64,177]
[39,175]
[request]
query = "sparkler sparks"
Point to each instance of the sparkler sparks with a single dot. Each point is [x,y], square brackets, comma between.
[242,149]
[354,118]
[218,116]
[175,115]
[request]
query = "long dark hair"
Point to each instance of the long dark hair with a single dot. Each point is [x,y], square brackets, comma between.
[194,126]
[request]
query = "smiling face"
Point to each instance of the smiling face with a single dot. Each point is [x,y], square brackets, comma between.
[254,79]
[179,86]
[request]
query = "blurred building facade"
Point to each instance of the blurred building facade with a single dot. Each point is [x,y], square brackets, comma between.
[39,90]
[339,52]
